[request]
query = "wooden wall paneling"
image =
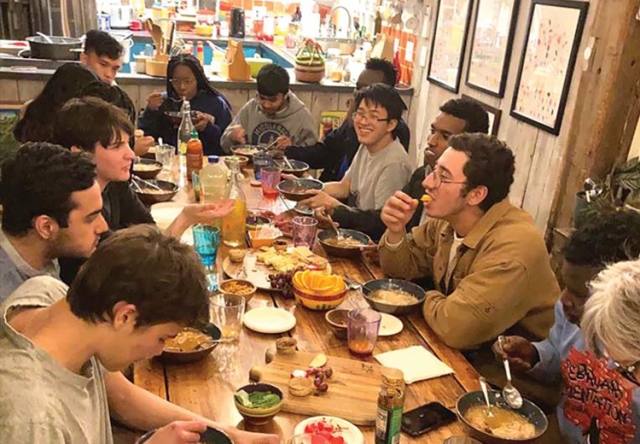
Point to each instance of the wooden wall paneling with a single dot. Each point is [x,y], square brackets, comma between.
[237,97]
[29,89]
[133,91]
[343,101]
[9,91]
[145,91]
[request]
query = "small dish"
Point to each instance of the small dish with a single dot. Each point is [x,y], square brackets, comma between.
[269,320]
[337,319]
[350,433]
[389,325]
[146,168]
[255,415]
[225,288]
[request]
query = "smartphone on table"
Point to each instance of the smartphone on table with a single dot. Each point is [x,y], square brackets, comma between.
[425,418]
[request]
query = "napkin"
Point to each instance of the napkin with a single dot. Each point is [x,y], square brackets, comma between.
[417,363]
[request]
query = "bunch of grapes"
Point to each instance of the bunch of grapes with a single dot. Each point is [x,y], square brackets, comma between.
[320,376]
[282,281]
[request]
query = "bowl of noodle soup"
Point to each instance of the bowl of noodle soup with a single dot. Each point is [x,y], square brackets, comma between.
[191,344]
[393,296]
[506,426]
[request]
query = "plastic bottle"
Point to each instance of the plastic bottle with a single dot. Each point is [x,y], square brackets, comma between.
[390,403]
[200,52]
[214,183]
[194,154]
[234,225]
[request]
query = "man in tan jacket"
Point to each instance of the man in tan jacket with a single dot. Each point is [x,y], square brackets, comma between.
[489,264]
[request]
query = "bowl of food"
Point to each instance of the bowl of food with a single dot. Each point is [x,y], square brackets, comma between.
[146,168]
[242,160]
[255,221]
[316,290]
[348,246]
[338,320]
[238,287]
[191,345]
[506,426]
[296,167]
[246,150]
[393,296]
[298,189]
[176,116]
[155,191]
[258,403]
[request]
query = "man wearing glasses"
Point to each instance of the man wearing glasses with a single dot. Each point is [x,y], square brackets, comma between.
[381,165]
[489,263]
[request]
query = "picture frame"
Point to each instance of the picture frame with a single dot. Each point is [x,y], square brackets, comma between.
[448,43]
[554,33]
[495,115]
[491,45]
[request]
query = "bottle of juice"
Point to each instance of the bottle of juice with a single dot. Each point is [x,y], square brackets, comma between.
[213,183]
[194,154]
[234,225]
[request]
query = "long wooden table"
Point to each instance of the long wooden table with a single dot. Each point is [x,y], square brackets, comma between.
[207,387]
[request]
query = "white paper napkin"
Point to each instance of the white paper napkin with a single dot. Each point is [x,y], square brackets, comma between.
[417,363]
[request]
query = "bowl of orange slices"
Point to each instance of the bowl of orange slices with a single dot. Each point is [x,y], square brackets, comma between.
[317,290]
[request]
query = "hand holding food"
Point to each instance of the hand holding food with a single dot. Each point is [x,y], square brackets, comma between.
[155,100]
[398,211]
[520,352]
[142,144]
[238,134]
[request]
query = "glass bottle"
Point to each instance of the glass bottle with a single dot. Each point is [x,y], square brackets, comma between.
[234,224]
[390,403]
[185,128]
[195,153]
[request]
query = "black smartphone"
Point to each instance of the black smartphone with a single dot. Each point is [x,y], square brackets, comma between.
[427,417]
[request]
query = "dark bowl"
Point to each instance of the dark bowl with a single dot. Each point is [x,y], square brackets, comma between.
[347,252]
[299,167]
[395,284]
[259,416]
[210,436]
[529,410]
[148,173]
[151,154]
[176,357]
[338,320]
[242,160]
[297,189]
[246,150]
[150,197]
[176,116]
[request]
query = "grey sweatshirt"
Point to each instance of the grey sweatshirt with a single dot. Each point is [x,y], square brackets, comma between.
[294,121]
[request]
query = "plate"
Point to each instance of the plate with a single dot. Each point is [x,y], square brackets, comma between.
[165,213]
[351,433]
[389,325]
[269,320]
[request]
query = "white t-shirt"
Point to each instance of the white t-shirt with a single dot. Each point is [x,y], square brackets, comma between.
[375,177]
[41,401]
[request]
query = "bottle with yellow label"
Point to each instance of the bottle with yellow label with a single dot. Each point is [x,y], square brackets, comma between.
[390,403]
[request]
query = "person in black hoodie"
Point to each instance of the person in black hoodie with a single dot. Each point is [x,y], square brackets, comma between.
[336,151]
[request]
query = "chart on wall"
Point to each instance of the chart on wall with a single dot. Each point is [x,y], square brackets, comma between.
[554,32]
[491,45]
[448,43]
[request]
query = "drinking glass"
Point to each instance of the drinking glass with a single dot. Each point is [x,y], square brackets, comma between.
[226,312]
[308,438]
[165,154]
[197,186]
[206,239]
[304,231]
[362,331]
[260,160]
[270,178]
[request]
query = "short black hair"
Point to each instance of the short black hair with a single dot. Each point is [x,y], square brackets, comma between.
[272,80]
[471,112]
[158,274]
[112,94]
[102,44]
[86,121]
[382,95]
[607,237]
[38,180]
[389,72]
[491,164]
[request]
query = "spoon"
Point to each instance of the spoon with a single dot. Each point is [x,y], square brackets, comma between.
[510,393]
[333,224]
[485,392]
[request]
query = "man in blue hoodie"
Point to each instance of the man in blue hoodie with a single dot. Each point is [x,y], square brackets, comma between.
[588,406]
[275,114]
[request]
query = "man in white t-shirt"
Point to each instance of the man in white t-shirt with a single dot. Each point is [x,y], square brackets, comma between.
[63,347]
[381,165]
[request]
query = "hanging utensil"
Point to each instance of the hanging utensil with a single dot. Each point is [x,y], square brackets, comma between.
[510,393]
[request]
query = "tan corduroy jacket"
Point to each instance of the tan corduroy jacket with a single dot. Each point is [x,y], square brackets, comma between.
[502,280]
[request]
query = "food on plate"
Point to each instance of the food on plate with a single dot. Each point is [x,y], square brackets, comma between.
[504,423]
[188,340]
[283,281]
[426,198]
[283,261]
[393,297]
[344,242]
[318,283]
[237,287]
[146,167]
[237,255]
[300,386]
[286,346]
[246,151]
[320,360]
[257,400]
[320,376]
[325,429]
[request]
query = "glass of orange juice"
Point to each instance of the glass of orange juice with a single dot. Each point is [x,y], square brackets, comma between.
[362,331]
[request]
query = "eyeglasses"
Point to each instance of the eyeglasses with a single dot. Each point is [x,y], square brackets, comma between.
[438,180]
[628,372]
[366,117]
[186,82]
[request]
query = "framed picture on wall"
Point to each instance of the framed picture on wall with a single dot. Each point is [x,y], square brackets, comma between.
[447,46]
[495,115]
[491,45]
[548,58]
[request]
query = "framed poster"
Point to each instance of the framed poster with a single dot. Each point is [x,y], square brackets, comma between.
[548,58]
[491,45]
[495,115]
[447,46]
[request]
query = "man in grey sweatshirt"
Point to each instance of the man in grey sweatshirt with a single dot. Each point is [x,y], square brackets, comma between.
[275,114]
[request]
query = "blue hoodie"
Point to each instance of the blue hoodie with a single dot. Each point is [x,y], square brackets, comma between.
[598,405]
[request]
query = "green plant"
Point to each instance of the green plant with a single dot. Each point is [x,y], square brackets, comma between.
[620,188]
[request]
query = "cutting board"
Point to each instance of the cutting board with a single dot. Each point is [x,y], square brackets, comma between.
[353,387]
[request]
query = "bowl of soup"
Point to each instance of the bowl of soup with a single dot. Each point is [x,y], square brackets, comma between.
[295,167]
[393,296]
[146,168]
[246,150]
[191,344]
[155,191]
[298,189]
[503,425]
[347,246]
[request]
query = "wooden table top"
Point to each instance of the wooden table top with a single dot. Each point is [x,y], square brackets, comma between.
[207,387]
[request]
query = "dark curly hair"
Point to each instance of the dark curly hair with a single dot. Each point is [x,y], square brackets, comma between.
[389,72]
[39,180]
[471,112]
[606,238]
[196,68]
[491,164]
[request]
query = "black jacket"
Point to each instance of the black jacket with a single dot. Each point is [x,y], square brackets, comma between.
[340,143]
